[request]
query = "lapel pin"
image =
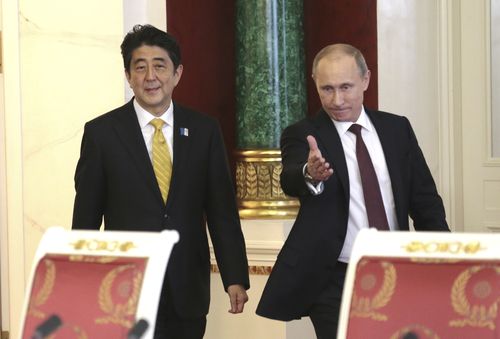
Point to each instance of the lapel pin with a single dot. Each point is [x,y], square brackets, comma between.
[184,131]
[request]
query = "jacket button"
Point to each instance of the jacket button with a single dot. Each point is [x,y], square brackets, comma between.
[165,216]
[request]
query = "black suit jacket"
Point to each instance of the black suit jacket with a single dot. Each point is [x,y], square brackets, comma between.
[311,250]
[115,179]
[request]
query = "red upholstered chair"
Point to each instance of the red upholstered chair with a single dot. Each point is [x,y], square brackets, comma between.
[91,284]
[422,285]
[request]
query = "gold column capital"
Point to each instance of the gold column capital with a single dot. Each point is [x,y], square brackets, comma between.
[258,186]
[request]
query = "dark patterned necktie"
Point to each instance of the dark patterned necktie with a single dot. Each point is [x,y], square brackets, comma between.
[371,189]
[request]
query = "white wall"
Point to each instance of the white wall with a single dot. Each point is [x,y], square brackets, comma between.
[408,75]
[495,76]
[61,69]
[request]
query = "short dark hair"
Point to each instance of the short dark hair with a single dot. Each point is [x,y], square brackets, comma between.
[149,35]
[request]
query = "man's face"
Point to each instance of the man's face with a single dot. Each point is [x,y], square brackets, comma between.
[153,78]
[341,87]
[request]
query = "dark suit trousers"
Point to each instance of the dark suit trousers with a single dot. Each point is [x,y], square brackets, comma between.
[324,313]
[169,325]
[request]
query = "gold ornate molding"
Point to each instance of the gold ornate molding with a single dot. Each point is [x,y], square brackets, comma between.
[454,247]
[253,270]
[258,186]
[102,245]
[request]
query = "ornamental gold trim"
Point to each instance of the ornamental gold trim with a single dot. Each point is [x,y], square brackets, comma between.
[366,307]
[258,188]
[118,313]
[473,315]
[102,245]
[93,259]
[453,247]
[435,260]
[252,270]
[45,291]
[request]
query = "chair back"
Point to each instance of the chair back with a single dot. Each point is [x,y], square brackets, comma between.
[422,285]
[92,284]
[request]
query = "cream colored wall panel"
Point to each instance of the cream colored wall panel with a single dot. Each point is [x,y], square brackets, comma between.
[62,67]
[71,71]
[221,324]
[495,76]
[408,68]
[264,239]
[13,278]
[478,167]
[490,205]
[491,190]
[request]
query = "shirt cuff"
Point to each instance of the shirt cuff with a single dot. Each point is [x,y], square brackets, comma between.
[314,189]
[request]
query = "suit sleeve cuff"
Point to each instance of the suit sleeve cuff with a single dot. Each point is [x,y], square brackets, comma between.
[315,189]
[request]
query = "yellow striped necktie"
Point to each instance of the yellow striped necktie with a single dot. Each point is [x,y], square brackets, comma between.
[162,163]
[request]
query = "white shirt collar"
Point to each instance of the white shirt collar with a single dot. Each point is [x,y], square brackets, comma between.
[363,120]
[145,117]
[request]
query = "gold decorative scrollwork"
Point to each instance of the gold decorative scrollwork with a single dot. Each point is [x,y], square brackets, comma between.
[45,291]
[363,307]
[93,259]
[252,270]
[103,245]
[454,247]
[474,315]
[119,313]
[434,260]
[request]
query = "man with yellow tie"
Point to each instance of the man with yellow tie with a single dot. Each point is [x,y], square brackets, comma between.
[152,165]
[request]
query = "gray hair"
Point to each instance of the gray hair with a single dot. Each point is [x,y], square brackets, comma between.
[338,50]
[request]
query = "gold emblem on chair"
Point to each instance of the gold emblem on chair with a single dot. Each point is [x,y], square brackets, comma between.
[455,247]
[103,245]
[476,315]
[45,290]
[365,307]
[129,289]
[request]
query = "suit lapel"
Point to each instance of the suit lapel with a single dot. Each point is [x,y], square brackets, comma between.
[333,150]
[184,132]
[129,132]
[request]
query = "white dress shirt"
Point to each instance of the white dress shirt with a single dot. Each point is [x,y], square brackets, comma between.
[148,130]
[358,218]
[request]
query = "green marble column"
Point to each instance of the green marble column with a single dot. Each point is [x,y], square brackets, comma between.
[271,94]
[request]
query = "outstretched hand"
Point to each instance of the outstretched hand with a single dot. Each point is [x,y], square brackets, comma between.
[317,167]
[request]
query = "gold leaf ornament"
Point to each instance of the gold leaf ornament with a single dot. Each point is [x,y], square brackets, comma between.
[363,307]
[118,313]
[477,315]
[45,291]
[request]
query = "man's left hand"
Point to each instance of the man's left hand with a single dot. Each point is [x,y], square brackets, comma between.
[237,297]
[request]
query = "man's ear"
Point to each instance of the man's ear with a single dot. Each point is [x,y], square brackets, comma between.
[366,79]
[178,73]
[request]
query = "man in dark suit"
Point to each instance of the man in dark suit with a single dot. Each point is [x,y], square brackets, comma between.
[320,167]
[115,179]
